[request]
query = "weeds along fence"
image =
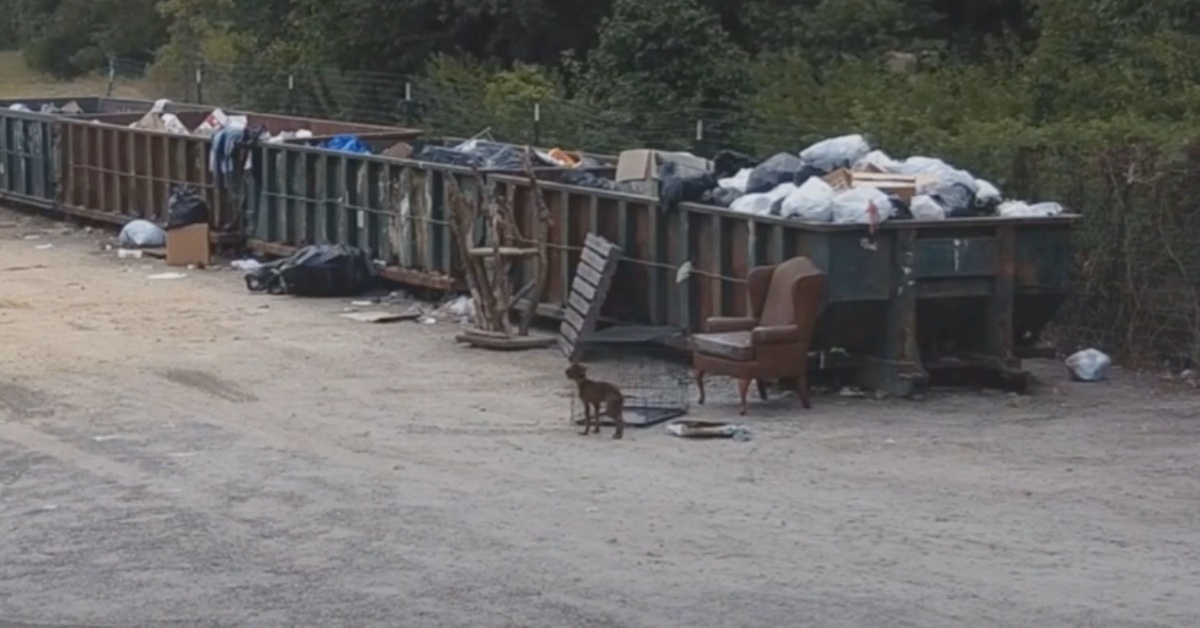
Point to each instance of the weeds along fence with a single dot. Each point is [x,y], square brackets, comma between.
[1135,290]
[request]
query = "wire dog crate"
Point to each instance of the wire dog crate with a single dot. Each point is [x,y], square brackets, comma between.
[653,377]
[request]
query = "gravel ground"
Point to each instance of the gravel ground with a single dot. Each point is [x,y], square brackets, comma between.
[183,453]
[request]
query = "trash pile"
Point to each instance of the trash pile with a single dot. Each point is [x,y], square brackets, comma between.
[489,155]
[841,180]
[71,107]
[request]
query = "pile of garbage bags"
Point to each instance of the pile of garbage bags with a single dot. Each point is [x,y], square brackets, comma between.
[489,155]
[797,186]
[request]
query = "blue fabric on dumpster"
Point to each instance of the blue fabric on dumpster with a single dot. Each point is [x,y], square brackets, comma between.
[224,147]
[346,143]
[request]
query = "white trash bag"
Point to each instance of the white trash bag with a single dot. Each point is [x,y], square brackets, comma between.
[986,193]
[837,152]
[875,160]
[853,206]
[142,234]
[923,207]
[945,173]
[738,181]
[811,202]
[1021,209]
[1089,365]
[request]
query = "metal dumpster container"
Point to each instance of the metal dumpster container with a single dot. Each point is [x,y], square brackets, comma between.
[395,209]
[916,296]
[89,104]
[111,172]
[28,158]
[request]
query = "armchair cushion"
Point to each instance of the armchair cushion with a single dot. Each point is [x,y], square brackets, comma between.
[775,334]
[722,324]
[730,345]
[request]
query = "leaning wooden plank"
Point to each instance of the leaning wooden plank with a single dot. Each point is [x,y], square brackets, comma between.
[589,289]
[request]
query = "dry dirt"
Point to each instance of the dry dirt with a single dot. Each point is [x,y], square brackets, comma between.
[183,453]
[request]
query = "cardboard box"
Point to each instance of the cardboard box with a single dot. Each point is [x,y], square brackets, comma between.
[187,246]
[637,169]
[902,185]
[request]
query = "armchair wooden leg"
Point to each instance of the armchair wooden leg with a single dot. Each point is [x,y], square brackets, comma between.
[802,390]
[700,385]
[762,389]
[743,390]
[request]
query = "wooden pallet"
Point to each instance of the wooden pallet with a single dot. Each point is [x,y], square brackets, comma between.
[593,276]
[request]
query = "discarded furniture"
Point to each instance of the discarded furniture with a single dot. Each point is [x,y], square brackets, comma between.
[589,289]
[489,267]
[771,343]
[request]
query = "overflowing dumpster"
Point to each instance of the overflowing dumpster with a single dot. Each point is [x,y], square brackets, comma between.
[906,297]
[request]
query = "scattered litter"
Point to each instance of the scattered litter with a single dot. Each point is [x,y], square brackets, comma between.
[1089,365]
[462,308]
[367,303]
[129,253]
[33,236]
[43,247]
[428,320]
[142,234]
[382,317]
[246,265]
[706,429]
[325,270]
[852,392]
[166,276]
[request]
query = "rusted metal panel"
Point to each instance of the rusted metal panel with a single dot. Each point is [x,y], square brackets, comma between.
[114,174]
[29,149]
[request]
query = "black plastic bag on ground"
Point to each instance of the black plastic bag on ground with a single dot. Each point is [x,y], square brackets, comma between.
[326,270]
[678,183]
[782,168]
[185,207]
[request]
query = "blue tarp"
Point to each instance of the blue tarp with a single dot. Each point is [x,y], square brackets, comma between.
[346,143]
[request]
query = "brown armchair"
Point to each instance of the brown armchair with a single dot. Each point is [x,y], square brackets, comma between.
[772,343]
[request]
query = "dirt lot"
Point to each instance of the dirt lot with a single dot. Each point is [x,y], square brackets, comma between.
[183,453]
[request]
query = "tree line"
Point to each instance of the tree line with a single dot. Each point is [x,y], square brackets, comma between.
[1091,103]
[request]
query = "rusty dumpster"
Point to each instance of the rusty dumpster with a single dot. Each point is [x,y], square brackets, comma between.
[915,296]
[113,173]
[394,209]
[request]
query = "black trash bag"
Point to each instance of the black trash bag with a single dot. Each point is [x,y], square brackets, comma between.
[721,197]
[728,163]
[902,208]
[782,168]
[326,270]
[678,183]
[586,179]
[185,207]
[957,199]
[449,156]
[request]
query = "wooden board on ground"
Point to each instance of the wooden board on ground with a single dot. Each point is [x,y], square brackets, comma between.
[382,317]
[593,276]
[500,342]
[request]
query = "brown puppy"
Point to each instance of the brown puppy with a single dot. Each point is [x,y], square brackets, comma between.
[592,394]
